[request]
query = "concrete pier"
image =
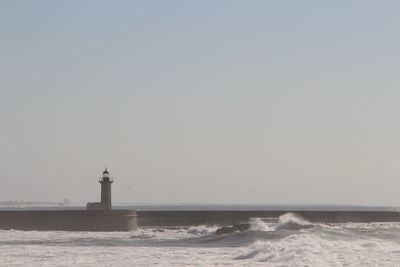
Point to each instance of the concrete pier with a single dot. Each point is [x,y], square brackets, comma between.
[99,216]
[224,217]
[69,220]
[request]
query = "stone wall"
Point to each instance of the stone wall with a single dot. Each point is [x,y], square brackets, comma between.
[69,220]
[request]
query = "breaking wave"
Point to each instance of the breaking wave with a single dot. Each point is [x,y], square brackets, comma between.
[290,240]
[300,242]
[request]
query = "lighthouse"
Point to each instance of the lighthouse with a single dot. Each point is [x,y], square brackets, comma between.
[106,182]
[105,200]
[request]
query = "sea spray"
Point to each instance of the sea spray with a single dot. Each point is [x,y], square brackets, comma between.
[292,221]
[267,244]
[288,221]
[257,224]
[201,230]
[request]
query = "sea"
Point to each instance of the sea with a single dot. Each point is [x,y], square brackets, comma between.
[285,241]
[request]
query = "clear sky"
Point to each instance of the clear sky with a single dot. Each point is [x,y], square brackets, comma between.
[201,101]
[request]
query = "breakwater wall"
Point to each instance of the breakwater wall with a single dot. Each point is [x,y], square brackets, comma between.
[221,217]
[69,220]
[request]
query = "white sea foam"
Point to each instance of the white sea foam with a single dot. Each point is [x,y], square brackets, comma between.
[291,241]
[352,244]
[257,224]
[312,250]
[293,218]
[201,230]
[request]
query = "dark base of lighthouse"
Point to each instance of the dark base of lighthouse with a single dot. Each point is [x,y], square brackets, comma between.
[69,220]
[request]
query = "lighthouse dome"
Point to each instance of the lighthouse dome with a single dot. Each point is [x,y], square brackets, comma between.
[106,174]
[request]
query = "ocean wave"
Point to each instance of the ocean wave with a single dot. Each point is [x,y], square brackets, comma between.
[286,227]
[287,241]
[314,250]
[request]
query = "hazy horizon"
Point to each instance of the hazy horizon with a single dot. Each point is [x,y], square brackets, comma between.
[209,101]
